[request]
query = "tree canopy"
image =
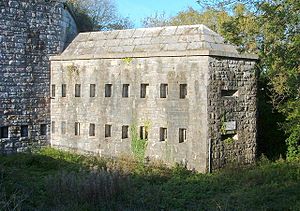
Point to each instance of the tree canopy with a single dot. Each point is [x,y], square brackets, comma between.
[98,15]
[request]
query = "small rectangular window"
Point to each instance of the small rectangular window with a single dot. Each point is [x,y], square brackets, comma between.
[4,132]
[107,131]
[53,127]
[183,91]
[92,129]
[77,128]
[229,93]
[125,90]
[53,90]
[143,133]
[182,135]
[92,90]
[108,90]
[144,90]
[77,90]
[63,127]
[163,90]
[24,131]
[163,134]
[125,131]
[64,90]
[43,129]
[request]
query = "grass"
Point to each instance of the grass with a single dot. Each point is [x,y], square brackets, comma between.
[50,179]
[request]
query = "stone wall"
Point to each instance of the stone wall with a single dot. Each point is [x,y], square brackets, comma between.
[30,31]
[232,111]
[153,111]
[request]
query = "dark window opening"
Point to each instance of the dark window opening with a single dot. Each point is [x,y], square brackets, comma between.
[64,90]
[53,90]
[229,137]
[63,127]
[77,90]
[92,90]
[4,132]
[125,131]
[163,134]
[183,91]
[143,133]
[92,129]
[182,135]
[43,129]
[108,90]
[125,90]
[24,130]
[53,127]
[163,90]
[107,131]
[144,90]
[229,93]
[77,128]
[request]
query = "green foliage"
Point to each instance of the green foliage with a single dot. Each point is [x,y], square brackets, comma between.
[73,70]
[223,126]
[241,29]
[95,15]
[57,180]
[127,60]
[280,50]
[271,30]
[81,16]
[210,17]
[229,141]
[138,146]
[270,141]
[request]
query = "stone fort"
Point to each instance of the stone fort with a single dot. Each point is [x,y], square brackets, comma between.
[184,91]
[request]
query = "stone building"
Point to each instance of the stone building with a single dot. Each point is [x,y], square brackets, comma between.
[190,95]
[30,31]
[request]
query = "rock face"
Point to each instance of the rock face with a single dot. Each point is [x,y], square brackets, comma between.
[30,31]
[182,89]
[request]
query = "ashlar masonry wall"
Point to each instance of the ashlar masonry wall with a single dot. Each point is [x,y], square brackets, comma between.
[72,115]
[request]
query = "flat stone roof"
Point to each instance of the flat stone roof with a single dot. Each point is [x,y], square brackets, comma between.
[188,40]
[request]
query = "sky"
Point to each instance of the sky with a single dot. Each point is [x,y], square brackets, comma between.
[136,10]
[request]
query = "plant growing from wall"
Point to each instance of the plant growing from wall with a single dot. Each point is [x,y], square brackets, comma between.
[73,70]
[138,146]
[127,60]
[229,140]
[223,125]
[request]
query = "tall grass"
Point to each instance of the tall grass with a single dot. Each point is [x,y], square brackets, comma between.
[10,200]
[57,180]
[87,189]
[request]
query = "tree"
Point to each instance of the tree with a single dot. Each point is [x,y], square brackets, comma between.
[272,29]
[102,14]
[211,18]
[156,20]
[280,50]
